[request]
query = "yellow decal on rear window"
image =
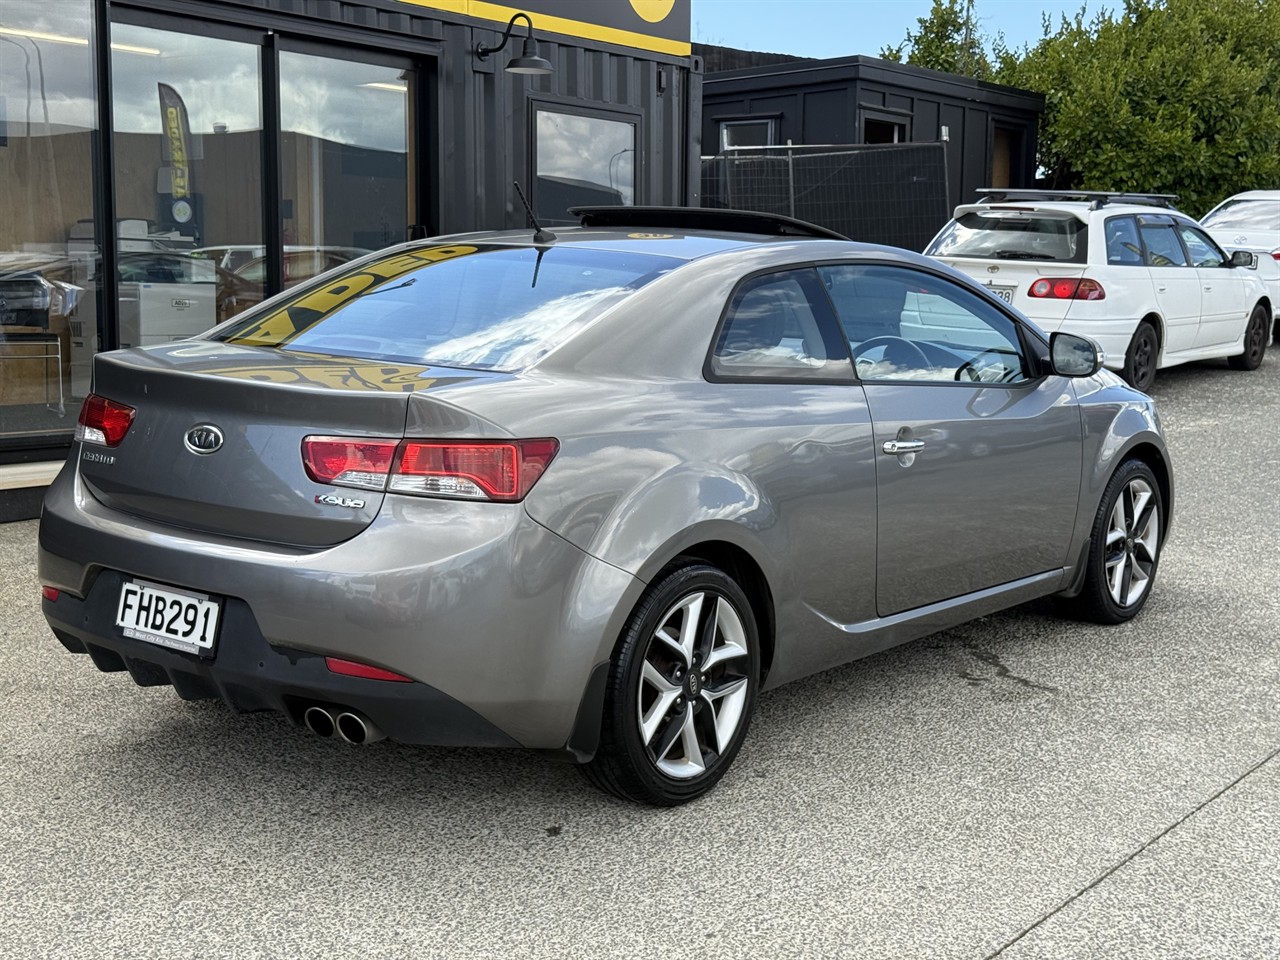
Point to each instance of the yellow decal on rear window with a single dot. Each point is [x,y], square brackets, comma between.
[279,327]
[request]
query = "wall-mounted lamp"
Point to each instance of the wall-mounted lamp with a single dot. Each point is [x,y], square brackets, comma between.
[528,62]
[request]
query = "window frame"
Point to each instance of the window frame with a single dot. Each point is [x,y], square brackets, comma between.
[592,110]
[769,120]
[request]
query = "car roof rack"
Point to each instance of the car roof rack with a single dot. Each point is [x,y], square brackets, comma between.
[702,218]
[1096,198]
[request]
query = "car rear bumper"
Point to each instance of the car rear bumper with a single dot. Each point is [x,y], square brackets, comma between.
[250,674]
[497,620]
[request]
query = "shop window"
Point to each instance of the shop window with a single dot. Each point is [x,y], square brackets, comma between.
[48,251]
[582,159]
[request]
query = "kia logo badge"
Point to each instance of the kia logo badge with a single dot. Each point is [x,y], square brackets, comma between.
[203,438]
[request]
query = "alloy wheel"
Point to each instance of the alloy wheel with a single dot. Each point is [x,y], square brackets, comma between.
[1132,543]
[693,685]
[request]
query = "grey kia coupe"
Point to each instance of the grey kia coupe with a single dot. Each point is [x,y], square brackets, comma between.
[591,493]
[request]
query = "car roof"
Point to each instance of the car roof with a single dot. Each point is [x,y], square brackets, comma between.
[1080,209]
[1254,195]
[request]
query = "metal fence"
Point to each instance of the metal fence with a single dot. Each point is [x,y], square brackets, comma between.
[893,193]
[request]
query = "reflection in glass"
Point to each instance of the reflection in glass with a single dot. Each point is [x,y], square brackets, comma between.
[188,154]
[48,254]
[495,308]
[582,161]
[344,156]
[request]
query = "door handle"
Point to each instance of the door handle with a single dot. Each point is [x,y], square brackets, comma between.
[898,448]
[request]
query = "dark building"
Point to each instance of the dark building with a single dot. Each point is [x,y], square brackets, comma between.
[753,100]
[166,164]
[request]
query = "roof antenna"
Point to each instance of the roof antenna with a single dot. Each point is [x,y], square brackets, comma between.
[542,236]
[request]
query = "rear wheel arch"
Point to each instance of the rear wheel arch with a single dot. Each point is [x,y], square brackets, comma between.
[1149,454]
[742,567]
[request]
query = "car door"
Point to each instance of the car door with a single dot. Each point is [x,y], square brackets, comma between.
[978,455]
[1223,310]
[1176,282]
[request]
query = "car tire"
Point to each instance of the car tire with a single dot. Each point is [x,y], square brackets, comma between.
[1142,357]
[1255,341]
[1124,551]
[681,691]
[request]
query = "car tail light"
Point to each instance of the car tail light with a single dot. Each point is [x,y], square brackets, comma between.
[349,462]
[472,471]
[1275,254]
[50,593]
[496,470]
[1067,288]
[103,421]
[353,668]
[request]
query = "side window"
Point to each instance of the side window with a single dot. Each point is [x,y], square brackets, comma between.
[905,324]
[1204,252]
[1124,246]
[1163,248]
[779,327]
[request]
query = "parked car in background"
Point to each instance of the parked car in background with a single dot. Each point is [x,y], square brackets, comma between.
[590,494]
[1144,280]
[38,291]
[1251,221]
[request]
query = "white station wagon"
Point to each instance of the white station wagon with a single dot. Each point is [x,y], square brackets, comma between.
[1145,281]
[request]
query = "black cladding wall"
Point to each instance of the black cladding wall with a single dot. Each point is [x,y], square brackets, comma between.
[831,101]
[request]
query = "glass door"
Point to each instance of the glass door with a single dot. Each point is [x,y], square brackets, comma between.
[345,141]
[188,144]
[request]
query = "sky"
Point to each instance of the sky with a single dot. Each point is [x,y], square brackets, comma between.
[845,28]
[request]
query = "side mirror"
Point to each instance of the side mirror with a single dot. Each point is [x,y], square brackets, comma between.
[1244,258]
[1074,356]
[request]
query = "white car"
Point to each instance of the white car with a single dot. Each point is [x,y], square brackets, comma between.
[1251,221]
[1142,279]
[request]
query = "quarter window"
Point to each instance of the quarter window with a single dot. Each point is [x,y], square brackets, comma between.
[904,324]
[779,327]
[1124,246]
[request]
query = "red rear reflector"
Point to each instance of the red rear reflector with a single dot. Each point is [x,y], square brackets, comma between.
[350,668]
[50,594]
[349,461]
[103,421]
[1067,288]
[476,470]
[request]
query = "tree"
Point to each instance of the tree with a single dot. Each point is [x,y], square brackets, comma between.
[947,40]
[1172,96]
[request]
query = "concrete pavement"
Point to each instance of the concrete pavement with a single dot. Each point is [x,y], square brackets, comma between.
[1024,787]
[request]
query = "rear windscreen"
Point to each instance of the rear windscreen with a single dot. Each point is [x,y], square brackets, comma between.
[1012,235]
[498,308]
[1245,215]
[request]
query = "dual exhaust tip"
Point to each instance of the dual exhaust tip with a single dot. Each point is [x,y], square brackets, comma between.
[345,724]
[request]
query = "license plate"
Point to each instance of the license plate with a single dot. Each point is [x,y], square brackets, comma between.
[1004,293]
[169,617]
